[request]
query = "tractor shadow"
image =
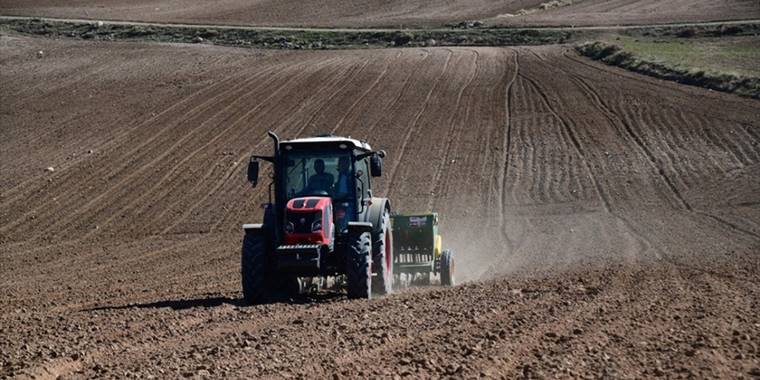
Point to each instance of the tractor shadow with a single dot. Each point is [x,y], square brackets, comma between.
[180,304]
[211,302]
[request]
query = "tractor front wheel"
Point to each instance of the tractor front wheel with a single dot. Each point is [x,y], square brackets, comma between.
[447,268]
[358,266]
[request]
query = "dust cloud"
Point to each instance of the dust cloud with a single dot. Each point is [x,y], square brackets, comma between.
[534,241]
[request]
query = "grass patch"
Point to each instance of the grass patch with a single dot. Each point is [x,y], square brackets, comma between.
[727,55]
[727,65]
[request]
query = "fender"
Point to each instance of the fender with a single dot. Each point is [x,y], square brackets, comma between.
[375,213]
[262,228]
[359,227]
[253,228]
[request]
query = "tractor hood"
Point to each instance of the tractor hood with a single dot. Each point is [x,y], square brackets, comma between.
[308,220]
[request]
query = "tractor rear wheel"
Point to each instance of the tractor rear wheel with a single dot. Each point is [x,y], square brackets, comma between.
[358,266]
[261,284]
[254,271]
[447,268]
[382,258]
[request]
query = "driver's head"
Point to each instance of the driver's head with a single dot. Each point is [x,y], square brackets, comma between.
[319,166]
[343,164]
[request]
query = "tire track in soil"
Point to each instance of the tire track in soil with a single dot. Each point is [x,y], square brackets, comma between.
[454,134]
[116,138]
[615,120]
[512,246]
[67,194]
[728,224]
[431,134]
[573,138]
[472,138]
[413,127]
[596,99]
[678,266]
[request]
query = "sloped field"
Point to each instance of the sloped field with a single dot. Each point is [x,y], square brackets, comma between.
[635,12]
[609,221]
[389,13]
[348,13]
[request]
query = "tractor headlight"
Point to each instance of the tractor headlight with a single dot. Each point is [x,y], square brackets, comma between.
[316,226]
[289,227]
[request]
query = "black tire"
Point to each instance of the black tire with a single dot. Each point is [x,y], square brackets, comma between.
[447,268]
[254,270]
[358,266]
[261,283]
[382,257]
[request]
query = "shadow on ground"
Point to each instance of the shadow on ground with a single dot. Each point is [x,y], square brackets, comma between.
[209,302]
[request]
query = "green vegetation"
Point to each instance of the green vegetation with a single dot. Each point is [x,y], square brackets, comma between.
[724,64]
[289,39]
[461,34]
[739,56]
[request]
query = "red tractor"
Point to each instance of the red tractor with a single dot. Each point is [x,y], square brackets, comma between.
[321,221]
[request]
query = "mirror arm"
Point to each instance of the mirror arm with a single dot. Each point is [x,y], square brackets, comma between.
[380,153]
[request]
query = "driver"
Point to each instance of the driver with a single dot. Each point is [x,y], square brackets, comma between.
[321,181]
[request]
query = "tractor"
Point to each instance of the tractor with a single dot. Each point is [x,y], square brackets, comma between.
[321,220]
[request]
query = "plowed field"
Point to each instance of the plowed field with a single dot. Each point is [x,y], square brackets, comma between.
[608,223]
[633,12]
[349,13]
[387,13]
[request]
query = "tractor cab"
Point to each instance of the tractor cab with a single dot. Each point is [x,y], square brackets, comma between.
[330,173]
[313,171]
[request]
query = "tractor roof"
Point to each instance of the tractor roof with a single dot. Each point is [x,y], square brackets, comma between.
[356,144]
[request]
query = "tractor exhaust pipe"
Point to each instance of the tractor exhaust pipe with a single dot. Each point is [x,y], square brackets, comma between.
[276,141]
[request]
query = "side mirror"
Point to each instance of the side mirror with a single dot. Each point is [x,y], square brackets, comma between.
[253,171]
[376,164]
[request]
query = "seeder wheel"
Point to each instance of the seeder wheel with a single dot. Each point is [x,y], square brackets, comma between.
[447,268]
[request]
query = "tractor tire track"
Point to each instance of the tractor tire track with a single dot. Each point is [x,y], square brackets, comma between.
[574,139]
[614,120]
[453,132]
[412,128]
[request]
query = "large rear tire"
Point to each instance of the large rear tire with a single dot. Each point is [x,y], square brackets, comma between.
[254,270]
[447,268]
[382,257]
[261,283]
[358,266]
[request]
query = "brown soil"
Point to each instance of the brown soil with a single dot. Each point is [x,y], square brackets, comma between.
[635,12]
[609,223]
[347,13]
[387,13]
